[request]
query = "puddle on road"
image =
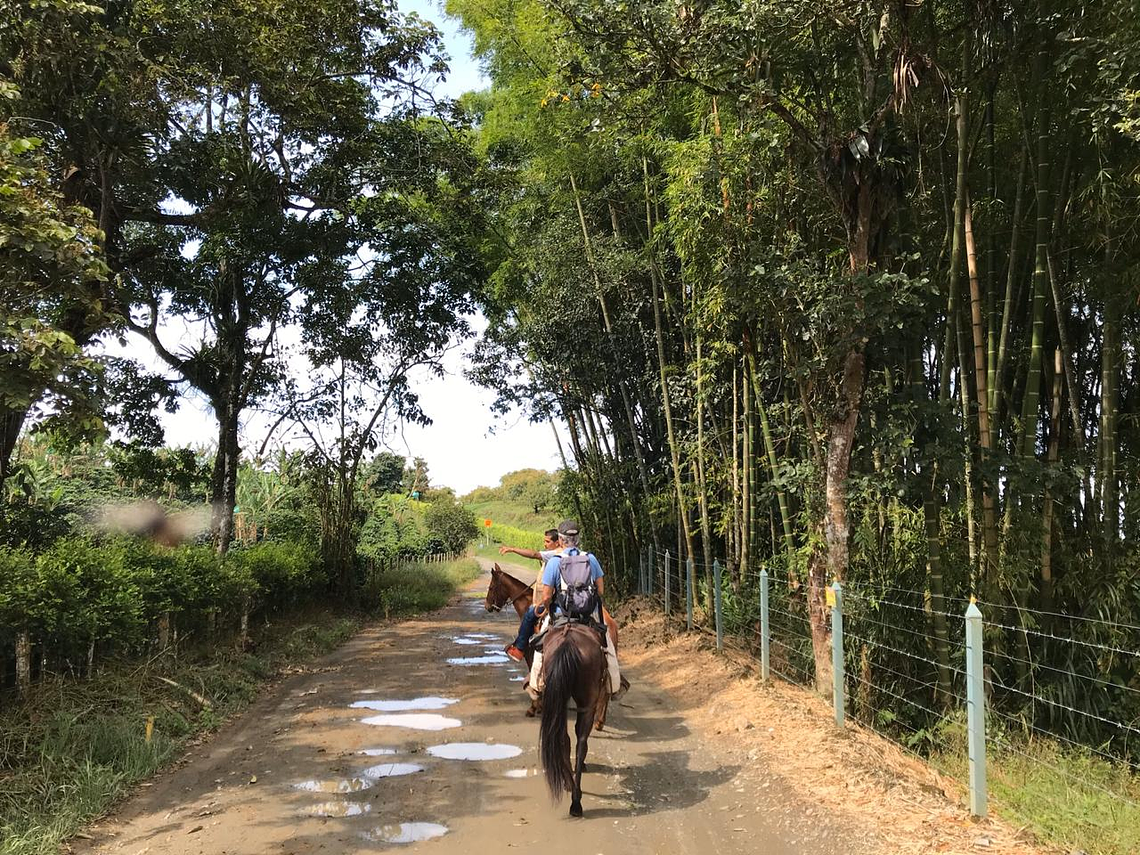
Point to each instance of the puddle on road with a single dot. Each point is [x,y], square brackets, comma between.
[406,832]
[336,785]
[520,773]
[519,679]
[467,641]
[391,770]
[431,703]
[483,635]
[414,721]
[474,751]
[377,752]
[337,809]
[497,659]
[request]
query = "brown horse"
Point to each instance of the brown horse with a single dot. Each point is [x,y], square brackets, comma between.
[573,666]
[504,589]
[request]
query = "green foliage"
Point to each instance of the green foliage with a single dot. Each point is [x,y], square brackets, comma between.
[109,594]
[51,277]
[74,748]
[411,587]
[450,525]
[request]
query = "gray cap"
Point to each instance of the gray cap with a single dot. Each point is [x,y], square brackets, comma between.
[568,527]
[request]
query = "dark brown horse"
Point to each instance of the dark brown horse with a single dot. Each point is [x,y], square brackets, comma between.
[573,667]
[504,589]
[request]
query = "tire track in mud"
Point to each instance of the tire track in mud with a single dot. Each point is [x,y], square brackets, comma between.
[347,758]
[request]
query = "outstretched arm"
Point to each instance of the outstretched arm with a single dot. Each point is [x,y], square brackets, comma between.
[525,553]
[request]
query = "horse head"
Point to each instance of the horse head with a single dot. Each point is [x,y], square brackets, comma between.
[497,595]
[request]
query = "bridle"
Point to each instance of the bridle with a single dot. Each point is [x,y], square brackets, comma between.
[510,601]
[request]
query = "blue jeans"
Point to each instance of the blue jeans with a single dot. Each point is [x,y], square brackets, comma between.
[526,629]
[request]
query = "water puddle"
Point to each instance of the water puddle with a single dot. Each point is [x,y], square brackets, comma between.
[474,751]
[483,635]
[337,809]
[391,770]
[519,773]
[336,785]
[397,706]
[414,721]
[519,679]
[376,752]
[406,832]
[497,659]
[468,641]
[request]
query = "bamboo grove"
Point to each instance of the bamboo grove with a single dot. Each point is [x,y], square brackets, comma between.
[848,291]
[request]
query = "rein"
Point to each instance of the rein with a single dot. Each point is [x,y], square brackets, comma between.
[509,602]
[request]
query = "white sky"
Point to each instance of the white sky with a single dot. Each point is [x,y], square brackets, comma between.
[467,445]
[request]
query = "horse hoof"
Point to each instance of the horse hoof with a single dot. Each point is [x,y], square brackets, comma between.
[530,713]
[576,809]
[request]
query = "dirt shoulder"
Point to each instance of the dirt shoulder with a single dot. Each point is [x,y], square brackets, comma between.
[856,778]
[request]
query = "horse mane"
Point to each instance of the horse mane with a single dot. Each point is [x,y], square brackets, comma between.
[512,578]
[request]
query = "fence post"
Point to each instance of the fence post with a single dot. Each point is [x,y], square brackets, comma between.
[640,573]
[689,593]
[975,710]
[838,695]
[716,603]
[668,582]
[765,630]
[652,569]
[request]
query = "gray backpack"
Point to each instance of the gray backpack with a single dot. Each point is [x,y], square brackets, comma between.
[579,596]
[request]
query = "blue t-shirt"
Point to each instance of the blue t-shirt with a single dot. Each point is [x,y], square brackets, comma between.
[551,574]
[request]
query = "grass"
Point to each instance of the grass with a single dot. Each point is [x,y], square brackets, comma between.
[1066,796]
[514,516]
[419,587]
[1069,797]
[75,747]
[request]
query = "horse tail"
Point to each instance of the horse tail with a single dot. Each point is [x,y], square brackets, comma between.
[561,672]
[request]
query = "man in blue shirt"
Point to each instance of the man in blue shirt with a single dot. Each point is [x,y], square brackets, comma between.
[551,581]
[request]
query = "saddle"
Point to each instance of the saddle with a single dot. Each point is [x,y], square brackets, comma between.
[562,620]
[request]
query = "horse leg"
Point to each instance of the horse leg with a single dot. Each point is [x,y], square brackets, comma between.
[583,724]
[603,703]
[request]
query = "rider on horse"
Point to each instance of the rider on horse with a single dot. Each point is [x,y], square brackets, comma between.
[551,547]
[553,582]
[516,649]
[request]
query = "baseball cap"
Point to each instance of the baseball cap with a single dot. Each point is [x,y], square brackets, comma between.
[568,527]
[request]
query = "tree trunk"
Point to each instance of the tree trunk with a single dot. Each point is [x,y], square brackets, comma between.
[223,484]
[1032,398]
[989,510]
[1047,513]
[674,451]
[11,423]
[702,486]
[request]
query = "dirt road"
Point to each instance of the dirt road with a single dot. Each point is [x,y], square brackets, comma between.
[329,761]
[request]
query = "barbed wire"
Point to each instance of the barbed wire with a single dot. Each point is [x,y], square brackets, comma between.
[1001,654]
[1057,770]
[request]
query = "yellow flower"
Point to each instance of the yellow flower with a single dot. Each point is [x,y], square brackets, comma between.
[565,98]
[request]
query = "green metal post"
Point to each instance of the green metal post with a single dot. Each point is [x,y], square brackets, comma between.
[716,601]
[652,570]
[976,711]
[837,688]
[765,629]
[668,582]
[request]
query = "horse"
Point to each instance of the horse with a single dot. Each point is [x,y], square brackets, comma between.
[574,666]
[504,589]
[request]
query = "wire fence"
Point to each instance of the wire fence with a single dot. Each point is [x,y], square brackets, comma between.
[1053,737]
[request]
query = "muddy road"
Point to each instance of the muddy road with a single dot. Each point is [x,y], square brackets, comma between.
[412,737]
